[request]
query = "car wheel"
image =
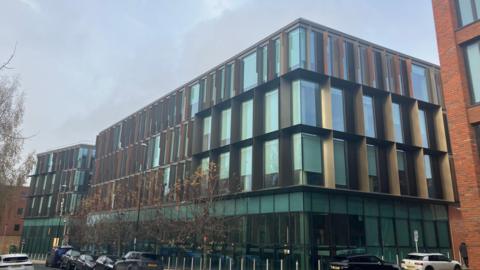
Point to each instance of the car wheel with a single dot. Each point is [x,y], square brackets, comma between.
[457,267]
[429,267]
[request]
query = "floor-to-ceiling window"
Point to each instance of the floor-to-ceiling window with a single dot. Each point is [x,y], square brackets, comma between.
[247,119]
[307,159]
[338,109]
[369,116]
[250,75]
[420,83]
[207,122]
[468,11]
[397,122]
[271,111]
[472,57]
[224,171]
[246,168]
[340,163]
[225,128]
[270,163]
[296,48]
[402,172]
[372,160]
[305,103]
[422,120]
[194,99]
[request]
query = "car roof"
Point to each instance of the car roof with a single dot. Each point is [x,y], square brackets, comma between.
[424,254]
[13,255]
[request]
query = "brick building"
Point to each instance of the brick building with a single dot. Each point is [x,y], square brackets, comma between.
[458,31]
[11,218]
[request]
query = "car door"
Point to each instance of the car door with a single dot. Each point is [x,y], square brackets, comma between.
[444,263]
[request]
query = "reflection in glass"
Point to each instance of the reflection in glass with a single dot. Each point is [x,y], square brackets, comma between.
[271,111]
[271,162]
[304,102]
[338,109]
[246,168]
[369,116]
[307,159]
[250,75]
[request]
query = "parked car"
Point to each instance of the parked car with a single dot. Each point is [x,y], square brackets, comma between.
[105,262]
[66,263]
[429,261]
[135,260]
[55,256]
[15,262]
[83,262]
[360,262]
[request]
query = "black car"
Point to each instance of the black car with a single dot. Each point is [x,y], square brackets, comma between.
[55,256]
[360,262]
[83,262]
[68,259]
[105,262]
[135,260]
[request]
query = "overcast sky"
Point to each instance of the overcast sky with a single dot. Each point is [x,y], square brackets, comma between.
[85,65]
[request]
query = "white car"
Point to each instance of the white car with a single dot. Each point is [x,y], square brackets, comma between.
[429,261]
[15,262]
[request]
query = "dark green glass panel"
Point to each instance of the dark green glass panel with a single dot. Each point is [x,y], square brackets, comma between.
[355,206]
[371,231]
[388,235]
[320,203]
[281,203]
[338,204]
[371,207]
[266,204]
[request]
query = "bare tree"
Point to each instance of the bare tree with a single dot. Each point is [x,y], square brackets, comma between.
[14,169]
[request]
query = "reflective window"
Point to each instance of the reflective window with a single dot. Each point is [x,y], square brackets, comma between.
[225,127]
[363,71]
[156,151]
[313,50]
[271,111]
[432,188]
[277,56]
[224,171]
[338,109]
[166,178]
[348,61]
[472,55]
[264,63]
[246,168]
[420,83]
[207,122]
[372,159]
[390,73]
[194,99]
[247,119]
[305,96]
[378,70]
[397,122]
[307,159]
[221,83]
[340,163]
[296,48]
[422,120]
[229,80]
[402,172]
[250,75]
[332,56]
[271,162]
[402,77]
[369,116]
[469,11]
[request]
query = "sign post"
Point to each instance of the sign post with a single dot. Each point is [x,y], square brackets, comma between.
[415,238]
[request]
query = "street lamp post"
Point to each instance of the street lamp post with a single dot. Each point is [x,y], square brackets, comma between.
[140,194]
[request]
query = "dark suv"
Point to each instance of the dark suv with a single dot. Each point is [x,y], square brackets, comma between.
[55,256]
[135,260]
[360,262]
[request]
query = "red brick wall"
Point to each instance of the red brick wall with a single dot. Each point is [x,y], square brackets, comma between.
[17,199]
[464,219]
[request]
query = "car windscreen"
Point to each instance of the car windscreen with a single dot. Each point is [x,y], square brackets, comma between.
[18,259]
[415,257]
[88,258]
[149,256]
[74,253]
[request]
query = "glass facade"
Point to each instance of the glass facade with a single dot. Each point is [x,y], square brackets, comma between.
[431,185]
[420,83]
[194,99]
[250,75]
[305,103]
[422,120]
[397,122]
[340,163]
[338,110]
[307,159]
[247,119]
[468,11]
[224,171]
[207,129]
[225,128]
[402,172]
[369,116]
[372,158]
[271,163]
[296,48]
[246,168]
[271,111]
[472,57]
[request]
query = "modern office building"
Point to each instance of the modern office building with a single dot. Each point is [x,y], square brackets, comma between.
[325,144]
[457,24]
[61,179]
[11,218]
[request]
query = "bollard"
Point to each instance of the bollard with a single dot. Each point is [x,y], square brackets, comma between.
[184,261]
[191,264]
[230,264]
[253,264]
[398,262]
[319,266]
[266,265]
[281,264]
[241,263]
[168,264]
[296,265]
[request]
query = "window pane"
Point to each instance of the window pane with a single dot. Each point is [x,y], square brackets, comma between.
[296,48]
[271,163]
[264,64]
[402,172]
[247,119]
[166,177]
[250,76]
[363,76]
[422,120]
[388,235]
[338,110]
[307,160]
[403,236]
[226,127]
[304,100]
[277,57]
[466,12]
[229,80]
[194,99]
[432,189]
[246,168]
[312,57]
[156,152]
[371,231]
[430,234]
[206,132]
[372,168]
[340,163]
[271,111]
[369,116]
[473,62]
[397,122]
[420,83]
[224,165]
